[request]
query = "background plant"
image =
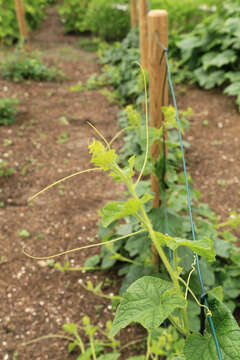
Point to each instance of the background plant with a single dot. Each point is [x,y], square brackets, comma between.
[9,32]
[8,110]
[210,52]
[111,23]
[21,66]
[73,13]
[107,19]
[5,170]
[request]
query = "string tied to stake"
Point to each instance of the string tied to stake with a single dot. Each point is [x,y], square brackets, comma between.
[204,300]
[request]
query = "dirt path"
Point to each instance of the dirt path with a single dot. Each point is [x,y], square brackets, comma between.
[214,156]
[35,299]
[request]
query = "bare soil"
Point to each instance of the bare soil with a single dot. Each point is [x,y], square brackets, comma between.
[36,300]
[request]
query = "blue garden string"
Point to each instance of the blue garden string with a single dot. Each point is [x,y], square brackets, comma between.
[204,294]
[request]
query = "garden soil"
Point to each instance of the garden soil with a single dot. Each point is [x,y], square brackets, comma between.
[49,141]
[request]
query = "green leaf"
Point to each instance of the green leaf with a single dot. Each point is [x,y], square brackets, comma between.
[187,45]
[218,292]
[148,301]
[112,356]
[218,59]
[134,273]
[118,209]
[233,89]
[102,157]
[92,261]
[203,247]
[70,328]
[233,76]
[141,357]
[24,233]
[72,346]
[200,347]
[209,79]
[207,273]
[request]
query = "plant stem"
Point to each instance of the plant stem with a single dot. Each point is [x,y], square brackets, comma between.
[92,347]
[80,343]
[147,224]
[148,346]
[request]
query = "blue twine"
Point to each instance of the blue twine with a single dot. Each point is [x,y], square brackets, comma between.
[188,195]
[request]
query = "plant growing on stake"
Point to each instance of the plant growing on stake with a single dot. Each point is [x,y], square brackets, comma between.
[151,300]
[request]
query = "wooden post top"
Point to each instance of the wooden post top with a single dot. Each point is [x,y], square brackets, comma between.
[158,13]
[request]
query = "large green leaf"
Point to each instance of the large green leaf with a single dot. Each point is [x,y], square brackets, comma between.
[218,59]
[148,301]
[233,89]
[209,79]
[203,247]
[117,209]
[112,356]
[200,347]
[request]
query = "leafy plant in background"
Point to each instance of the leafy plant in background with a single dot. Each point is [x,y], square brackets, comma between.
[121,70]
[108,19]
[8,110]
[104,18]
[4,169]
[73,14]
[210,52]
[35,12]
[21,66]
[149,297]
[95,348]
[137,250]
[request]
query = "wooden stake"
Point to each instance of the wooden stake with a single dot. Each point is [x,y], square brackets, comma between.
[157,27]
[143,33]
[133,4]
[143,29]
[20,11]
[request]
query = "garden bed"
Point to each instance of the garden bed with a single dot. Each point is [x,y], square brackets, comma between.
[49,141]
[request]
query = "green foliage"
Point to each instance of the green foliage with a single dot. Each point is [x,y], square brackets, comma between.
[73,13]
[104,18]
[211,51]
[4,169]
[183,15]
[9,32]
[8,111]
[148,301]
[21,66]
[89,44]
[227,331]
[108,19]
[105,348]
[24,233]
[121,70]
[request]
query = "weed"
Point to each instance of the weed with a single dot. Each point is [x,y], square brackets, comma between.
[89,44]
[7,142]
[8,111]
[24,234]
[79,87]
[4,169]
[63,120]
[63,138]
[110,95]
[23,66]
